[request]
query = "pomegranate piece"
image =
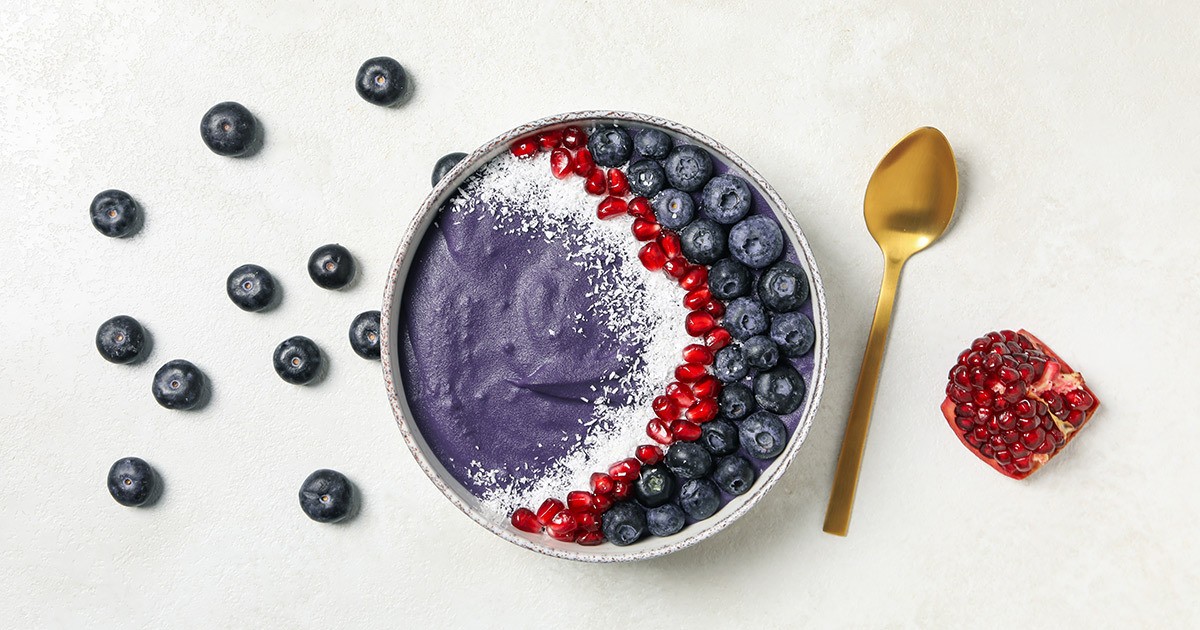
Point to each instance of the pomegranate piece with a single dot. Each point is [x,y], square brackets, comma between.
[550,139]
[603,501]
[695,278]
[573,137]
[1014,403]
[595,184]
[681,393]
[560,163]
[617,184]
[580,501]
[583,162]
[639,207]
[669,241]
[717,338]
[562,524]
[707,387]
[525,520]
[696,353]
[676,268]
[621,490]
[695,299]
[624,471]
[685,431]
[649,454]
[644,230]
[699,322]
[703,411]
[524,147]
[549,508]
[590,539]
[690,372]
[715,307]
[652,256]
[659,430]
[666,408]
[587,522]
[611,207]
[601,484]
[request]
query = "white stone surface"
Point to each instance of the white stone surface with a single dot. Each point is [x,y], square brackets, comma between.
[1076,126]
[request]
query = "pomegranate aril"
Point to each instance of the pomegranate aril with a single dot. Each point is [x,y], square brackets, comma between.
[617,184]
[652,257]
[601,483]
[1014,392]
[610,207]
[964,423]
[696,299]
[565,537]
[717,338]
[696,353]
[703,411]
[548,509]
[640,207]
[669,241]
[685,431]
[716,308]
[1022,464]
[676,268]
[690,372]
[550,139]
[584,164]
[525,520]
[644,230]
[981,343]
[562,524]
[579,500]
[1046,447]
[982,398]
[595,183]
[625,470]
[666,408]
[587,521]
[1075,418]
[659,430]
[1079,400]
[1034,438]
[699,322]
[590,539]
[649,454]
[681,393]
[621,490]
[695,278]
[1007,420]
[958,393]
[964,409]
[707,387]
[573,137]
[560,163]
[524,147]
[604,501]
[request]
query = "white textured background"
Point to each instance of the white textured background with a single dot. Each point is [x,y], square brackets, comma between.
[1077,126]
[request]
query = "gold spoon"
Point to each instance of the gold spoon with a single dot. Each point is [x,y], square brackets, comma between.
[909,202]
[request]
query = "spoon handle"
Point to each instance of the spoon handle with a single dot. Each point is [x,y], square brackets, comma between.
[841,501]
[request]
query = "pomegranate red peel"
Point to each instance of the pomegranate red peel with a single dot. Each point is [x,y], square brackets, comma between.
[1014,403]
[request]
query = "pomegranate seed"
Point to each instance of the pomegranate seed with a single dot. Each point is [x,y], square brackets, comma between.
[595,182]
[707,387]
[690,372]
[958,393]
[601,483]
[590,539]
[1007,421]
[681,393]
[699,322]
[695,278]
[524,147]
[525,520]
[611,207]
[604,501]
[704,410]
[644,230]
[617,184]
[669,241]
[1076,417]
[624,470]
[573,137]
[1034,438]
[685,431]
[696,299]
[550,139]
[562,524]
[566,537]
[639,207]
[649,454]
[1024,408]
[1079,400]
[659,430]
[549,508]
[587,521]
[718,338]
[652,256]
[579,500]
[620,490]
[716,308]
[666,408]
[696,353]
[560,163]
[583,162]
[676,268]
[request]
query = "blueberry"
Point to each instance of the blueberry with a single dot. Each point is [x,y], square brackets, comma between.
[673,209]
[120,339]
[688,168]
[734,475]
[780,390]
[652,143]
[730,366]
[331,266]
[726,199]
[729,279]
[382,81]
[178,385]
[688,460]
[719,437]
[763,435]
[736,401]
[654,486]
[783,287]
[115,213]
[761,353]
[445,164]
[647,178]
[297,360]
[745,317]
[665,520]
[326,496]
[756,241]
[702,241]
[610,146]
[364,335]
[699,498]
[794,332]
[251,287]
[131,481]
[229,129]
[624,523]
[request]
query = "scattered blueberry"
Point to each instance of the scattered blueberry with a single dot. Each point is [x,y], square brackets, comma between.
[297,360]
[654,486]
[382,81]
[783,287]
[730,366]
[726,199]
[331,266]
[665,520]
[688,168]
[610,146]
[229,129]
[120,339]
[702,241]
[688,460]
[729,279]
[251,287]
[445,164]
[178,385]
[652,143]
[763,435]
[699,498]
[736,401]
[756,241]
[745,317]
[734,475]
[364,335]
[794,332]
[326,496]
[647,178]
[673,209]
[719,437]
[761,353]
[780,390]
[115,213]
[131,481]
[624,523]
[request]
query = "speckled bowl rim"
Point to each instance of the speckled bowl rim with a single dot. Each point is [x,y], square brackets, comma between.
[645,549]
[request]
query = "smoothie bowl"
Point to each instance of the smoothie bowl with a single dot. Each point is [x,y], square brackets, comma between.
[604,336]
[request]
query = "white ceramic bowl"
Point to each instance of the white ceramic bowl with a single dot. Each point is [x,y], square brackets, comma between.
[652,546]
